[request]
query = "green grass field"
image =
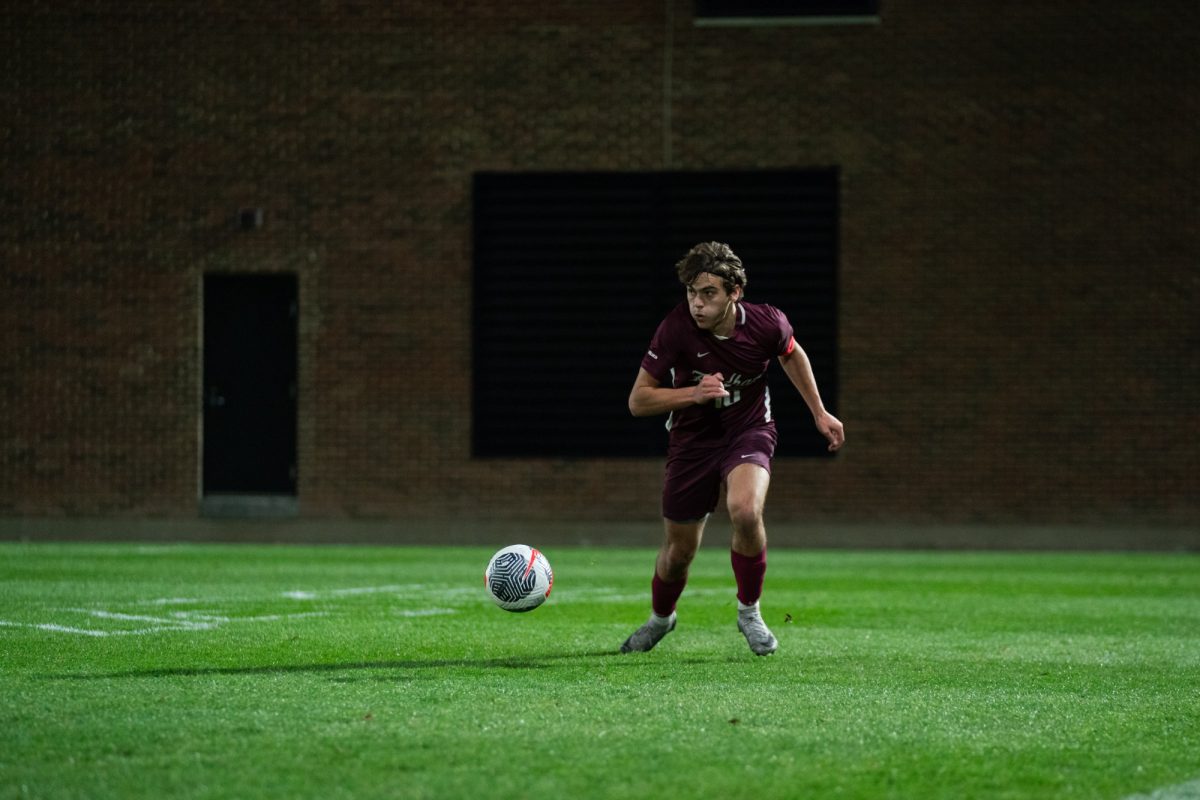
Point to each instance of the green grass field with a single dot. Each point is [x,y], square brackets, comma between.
[205,671]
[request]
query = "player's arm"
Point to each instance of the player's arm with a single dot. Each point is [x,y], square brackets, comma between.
[799,371]
[649,398]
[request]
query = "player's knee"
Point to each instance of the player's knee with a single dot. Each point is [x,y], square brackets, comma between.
[745,515]
[675,561]
[680,554]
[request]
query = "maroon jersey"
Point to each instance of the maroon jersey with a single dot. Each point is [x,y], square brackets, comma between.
[681,354]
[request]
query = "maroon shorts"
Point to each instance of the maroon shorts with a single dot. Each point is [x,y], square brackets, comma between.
[694,475]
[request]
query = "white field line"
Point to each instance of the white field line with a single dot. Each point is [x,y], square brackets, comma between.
[102,614]
[201,620]
[601,597]
[180,621]
[425,612]
[302,594]
[278,617]
[96,632]
[604,594]
[408,590]
[204,620]
[1182,791]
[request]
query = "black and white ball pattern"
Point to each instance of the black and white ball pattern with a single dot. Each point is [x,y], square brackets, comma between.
[518,578]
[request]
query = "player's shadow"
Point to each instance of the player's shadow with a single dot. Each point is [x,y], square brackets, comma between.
[348,669]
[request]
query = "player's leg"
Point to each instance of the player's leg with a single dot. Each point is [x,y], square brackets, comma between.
[746,495]
[681,540]
[690,492]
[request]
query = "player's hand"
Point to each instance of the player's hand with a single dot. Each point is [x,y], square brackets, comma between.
[709,388]
[831,428]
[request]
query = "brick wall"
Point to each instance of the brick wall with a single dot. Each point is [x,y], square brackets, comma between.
[1020,241]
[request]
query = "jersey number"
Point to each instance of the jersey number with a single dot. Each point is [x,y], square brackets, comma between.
[726,402]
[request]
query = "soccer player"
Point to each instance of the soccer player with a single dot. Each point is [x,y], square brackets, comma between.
[706,368]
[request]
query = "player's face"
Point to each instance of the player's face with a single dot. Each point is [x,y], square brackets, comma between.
[709,303]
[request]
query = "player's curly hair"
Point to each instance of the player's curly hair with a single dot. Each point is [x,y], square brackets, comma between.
[715,258]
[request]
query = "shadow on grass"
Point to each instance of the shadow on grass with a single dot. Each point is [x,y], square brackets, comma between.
[512,662]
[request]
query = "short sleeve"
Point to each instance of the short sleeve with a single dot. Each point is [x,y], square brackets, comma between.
[660,358]
[785,342]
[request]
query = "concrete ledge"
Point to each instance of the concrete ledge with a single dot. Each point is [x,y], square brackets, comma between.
[254,506]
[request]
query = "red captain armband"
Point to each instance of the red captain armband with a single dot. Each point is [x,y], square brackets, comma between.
[791,345]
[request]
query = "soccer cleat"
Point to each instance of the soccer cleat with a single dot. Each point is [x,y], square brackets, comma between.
[758,635]
[650,634]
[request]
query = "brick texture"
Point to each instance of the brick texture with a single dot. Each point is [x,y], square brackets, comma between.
[1020,240]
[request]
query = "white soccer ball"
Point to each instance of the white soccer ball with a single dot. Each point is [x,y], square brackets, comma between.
[518,578]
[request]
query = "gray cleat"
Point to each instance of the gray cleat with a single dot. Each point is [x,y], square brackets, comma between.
[758,635]
[650,634]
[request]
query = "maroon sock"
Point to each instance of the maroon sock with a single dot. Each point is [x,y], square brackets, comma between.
[749,572]
[664,595]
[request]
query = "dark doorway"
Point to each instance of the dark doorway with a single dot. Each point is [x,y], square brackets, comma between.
[250,366]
